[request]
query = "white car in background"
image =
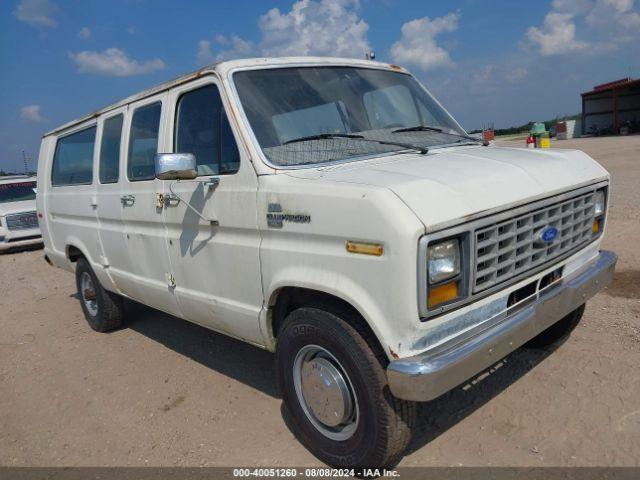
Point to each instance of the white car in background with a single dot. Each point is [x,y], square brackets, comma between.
[18,217]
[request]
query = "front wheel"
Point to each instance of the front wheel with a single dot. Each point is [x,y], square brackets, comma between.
[335,391]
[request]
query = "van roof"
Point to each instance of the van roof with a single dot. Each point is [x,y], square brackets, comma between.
[222,68]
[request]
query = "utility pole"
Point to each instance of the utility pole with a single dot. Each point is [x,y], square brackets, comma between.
[25,159]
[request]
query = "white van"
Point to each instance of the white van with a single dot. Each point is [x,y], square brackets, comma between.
[18,220]
[333,212]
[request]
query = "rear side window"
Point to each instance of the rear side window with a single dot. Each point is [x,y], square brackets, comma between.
[202,128]
[109,168]
[143,142]
[73,159]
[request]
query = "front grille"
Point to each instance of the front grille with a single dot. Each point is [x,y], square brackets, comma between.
[22,221]
[506,249]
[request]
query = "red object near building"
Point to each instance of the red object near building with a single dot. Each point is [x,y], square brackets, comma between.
[488,135]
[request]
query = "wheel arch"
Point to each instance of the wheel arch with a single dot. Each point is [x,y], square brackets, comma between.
[286,299]
[73,253]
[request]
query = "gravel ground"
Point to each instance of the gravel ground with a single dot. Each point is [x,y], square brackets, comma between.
[164,392]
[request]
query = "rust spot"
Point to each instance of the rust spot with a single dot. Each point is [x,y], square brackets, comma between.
[393,354]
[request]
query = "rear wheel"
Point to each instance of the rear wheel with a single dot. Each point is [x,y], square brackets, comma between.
[334,388]
[557,332]
[103,310]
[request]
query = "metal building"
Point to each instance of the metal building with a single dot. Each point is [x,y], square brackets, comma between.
[612,108]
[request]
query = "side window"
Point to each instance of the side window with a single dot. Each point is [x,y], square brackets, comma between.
[73,159]
[391,107]
[202,128]
[143,142]
[109,168]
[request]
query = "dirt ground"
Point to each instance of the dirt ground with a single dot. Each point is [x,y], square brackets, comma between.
[163,392]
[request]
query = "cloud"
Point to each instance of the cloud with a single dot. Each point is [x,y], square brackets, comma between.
[205,55]
[484,75]
[113,62]
[328,27]
[557,35]
[607,24]
[31,113]
[322,27]
[37,13]
[235,47]
[84,33]
[516,75]
[619,16]
[418,46]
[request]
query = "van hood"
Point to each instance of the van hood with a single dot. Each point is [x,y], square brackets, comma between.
[456,183]
[17,207]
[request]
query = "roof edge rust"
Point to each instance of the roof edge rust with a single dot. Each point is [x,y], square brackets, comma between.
[222,68]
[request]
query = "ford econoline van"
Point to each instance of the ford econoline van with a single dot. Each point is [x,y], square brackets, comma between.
[333,212]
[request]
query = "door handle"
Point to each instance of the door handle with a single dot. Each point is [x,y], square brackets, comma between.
[127,200]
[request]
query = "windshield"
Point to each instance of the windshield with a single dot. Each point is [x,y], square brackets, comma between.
[284,106]
[17,192]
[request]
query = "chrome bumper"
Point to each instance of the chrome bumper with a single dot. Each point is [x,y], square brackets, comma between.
[430,374]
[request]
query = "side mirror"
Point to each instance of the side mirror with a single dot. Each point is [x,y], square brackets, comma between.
[176,166]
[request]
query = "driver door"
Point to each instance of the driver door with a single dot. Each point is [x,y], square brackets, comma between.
[216,265]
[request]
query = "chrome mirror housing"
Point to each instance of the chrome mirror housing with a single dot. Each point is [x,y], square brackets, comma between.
[176,166]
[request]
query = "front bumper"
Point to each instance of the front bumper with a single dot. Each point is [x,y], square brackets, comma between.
[23,239]
[429,374]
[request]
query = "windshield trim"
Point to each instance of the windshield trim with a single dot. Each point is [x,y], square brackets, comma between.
[235,97]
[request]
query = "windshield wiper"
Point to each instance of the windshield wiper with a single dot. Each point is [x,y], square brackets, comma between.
[323,136]
[425,128]
[418,128]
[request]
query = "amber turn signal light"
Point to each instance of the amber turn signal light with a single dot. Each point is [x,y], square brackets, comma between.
[365,248]
[596,226]
[443,293]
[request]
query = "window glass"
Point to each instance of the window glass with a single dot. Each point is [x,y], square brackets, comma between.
[17,192]
[73,159]
[391,107]
[229,154]
[202,128]
[426,116]
[325,118]
[109,169]
[143,142]
[281,103]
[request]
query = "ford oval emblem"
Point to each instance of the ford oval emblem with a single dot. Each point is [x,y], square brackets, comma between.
[546,235]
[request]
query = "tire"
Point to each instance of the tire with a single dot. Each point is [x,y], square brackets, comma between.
[557,332]
[380,425]
[103,310]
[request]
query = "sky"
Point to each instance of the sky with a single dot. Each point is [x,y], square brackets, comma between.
[504,62]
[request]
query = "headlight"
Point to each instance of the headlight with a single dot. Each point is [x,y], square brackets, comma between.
[598,203]
[443,260]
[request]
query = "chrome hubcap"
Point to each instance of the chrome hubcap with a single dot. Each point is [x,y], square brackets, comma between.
[88,292]
[325,392]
